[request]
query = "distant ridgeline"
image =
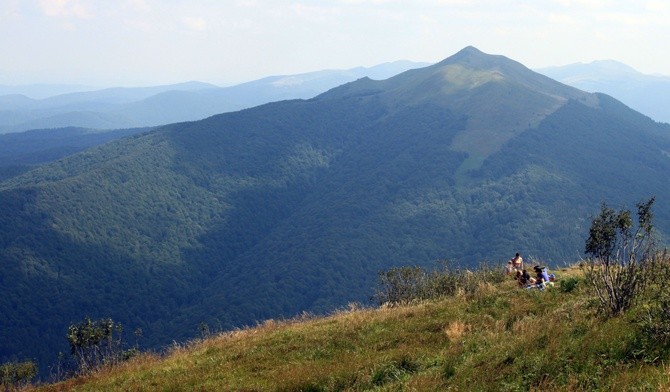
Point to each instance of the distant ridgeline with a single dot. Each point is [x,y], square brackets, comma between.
[297,205]
[120,107]
[647,94]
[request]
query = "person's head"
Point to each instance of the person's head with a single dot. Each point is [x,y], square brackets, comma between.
[517,255]
[509,262]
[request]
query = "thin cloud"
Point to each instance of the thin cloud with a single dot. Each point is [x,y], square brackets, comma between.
[197,24]
[65,9]
[10,10]
[592,4]
[315,12]
[563,19]
[658,6]
[620,18]
[372,2]
[138,6]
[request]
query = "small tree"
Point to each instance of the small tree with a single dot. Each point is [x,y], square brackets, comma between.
[618,254]
[94,343]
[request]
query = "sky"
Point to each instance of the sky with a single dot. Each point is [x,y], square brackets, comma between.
[149,42]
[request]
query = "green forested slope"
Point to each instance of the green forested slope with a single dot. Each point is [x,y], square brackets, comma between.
[296,205]
[20,152]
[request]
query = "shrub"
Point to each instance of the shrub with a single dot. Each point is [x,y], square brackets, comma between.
[653,318]
[400,285]
[15,375]
[618,255]
[406,284]
[94,343]
[568,285]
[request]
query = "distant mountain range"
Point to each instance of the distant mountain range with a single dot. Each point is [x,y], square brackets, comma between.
[41,91]
[297,205]
[116,108]
[648,94]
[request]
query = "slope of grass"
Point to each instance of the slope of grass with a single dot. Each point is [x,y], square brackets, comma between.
[498,338]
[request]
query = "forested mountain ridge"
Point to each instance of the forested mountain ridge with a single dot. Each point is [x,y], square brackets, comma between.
[296,205]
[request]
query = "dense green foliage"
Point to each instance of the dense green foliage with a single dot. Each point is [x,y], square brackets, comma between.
[20,152]
[297,205]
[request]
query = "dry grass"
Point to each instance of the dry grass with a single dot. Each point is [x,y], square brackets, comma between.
[455,330]
[498,338]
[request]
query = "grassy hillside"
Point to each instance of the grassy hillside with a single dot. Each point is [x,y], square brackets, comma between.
[487,336]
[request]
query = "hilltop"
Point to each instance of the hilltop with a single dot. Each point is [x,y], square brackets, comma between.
[489,335]
[296,205]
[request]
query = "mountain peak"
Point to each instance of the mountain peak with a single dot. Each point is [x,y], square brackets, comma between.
[469,71]
[499,97]
[474,58]
[469,51]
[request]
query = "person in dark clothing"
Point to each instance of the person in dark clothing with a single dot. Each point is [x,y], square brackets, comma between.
[523,278]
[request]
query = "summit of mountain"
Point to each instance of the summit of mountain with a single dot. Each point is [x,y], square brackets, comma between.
[469,71]
[499,97]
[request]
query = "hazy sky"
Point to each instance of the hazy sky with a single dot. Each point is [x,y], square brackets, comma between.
[147,42]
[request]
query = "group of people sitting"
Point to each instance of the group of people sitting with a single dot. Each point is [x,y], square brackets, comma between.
[541,280]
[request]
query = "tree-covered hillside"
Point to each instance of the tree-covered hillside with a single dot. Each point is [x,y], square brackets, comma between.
[20,152]
[297,205]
